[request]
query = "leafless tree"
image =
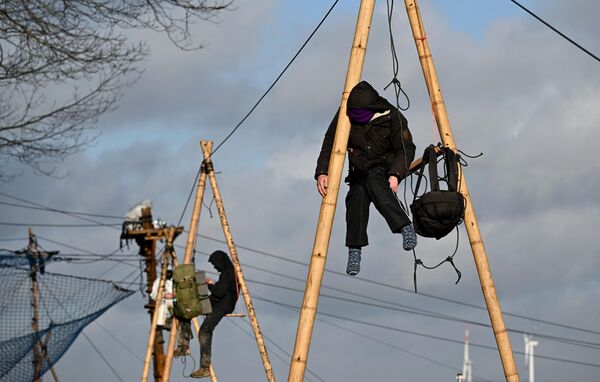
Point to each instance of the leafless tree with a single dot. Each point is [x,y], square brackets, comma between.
[65,63]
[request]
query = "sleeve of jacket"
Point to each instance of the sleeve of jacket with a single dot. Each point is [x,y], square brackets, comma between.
[326,147]
[154,292]
[221,287]
[404,148]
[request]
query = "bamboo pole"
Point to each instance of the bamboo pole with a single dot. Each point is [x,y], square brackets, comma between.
[157,302]
[189,252]
[328,205]
[472,227]
[236,262]
[191,239]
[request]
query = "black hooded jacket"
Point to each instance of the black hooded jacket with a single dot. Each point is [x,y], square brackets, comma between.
[224,293]
[384,141]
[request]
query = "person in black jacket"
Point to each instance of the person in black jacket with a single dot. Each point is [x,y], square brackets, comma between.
[223,297]
[380,151]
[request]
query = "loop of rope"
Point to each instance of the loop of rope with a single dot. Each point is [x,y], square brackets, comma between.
[449,259]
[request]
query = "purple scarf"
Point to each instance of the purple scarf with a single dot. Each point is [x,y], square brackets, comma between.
[360,115]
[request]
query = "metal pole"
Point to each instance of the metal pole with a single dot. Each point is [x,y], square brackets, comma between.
[236,262]
[472,227]
[328,205]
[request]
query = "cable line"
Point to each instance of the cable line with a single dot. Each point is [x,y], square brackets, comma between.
[555,30]
[59,211]
[405,308]
[281,349]
[102,356]
[47,209]
[424,313]
[256,105]
[55,225]
[277,79]
[371,324]
[378,283]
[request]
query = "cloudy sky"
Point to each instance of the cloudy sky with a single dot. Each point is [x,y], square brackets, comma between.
[515,91]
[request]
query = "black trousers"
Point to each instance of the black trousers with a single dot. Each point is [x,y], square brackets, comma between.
[205,336]
[365,189]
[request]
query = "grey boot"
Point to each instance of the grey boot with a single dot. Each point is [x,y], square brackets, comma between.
[409,237]
[353,266]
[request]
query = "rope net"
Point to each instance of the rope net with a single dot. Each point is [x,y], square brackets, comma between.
[65,305]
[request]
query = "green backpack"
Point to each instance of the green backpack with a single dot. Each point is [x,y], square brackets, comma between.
[187,304]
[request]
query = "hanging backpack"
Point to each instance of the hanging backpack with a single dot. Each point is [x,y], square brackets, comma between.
[437,212]
[187,304]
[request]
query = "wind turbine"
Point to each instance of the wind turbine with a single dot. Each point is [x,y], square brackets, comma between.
[529,357]
[466,372]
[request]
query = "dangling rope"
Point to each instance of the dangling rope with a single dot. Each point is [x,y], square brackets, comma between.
[397,91]
[395,66]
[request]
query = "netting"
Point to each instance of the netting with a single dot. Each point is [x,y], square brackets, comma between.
[65,305]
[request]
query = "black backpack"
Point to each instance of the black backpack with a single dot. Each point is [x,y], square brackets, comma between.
[437,212]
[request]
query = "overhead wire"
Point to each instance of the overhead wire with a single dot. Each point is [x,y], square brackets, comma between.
[58,225]
[406,290]
[276,79]
[48,209]
[280,348]
[239,124]
[555,30]
[330,271]
[405,308]
[423,313]
[436,362]
[68,213]
[420,334]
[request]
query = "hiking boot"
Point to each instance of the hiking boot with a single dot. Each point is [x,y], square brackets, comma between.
[409,237]
[201,373]
[353,266]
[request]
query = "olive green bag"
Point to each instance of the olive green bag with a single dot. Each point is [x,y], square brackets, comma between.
[187,304]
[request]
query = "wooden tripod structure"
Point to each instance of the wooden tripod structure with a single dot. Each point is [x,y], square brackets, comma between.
[328,205]
[207,170]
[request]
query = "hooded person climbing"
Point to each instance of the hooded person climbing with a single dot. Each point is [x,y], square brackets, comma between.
[223,297]
[380,151]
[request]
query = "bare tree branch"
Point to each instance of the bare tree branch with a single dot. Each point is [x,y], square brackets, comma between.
[65,63]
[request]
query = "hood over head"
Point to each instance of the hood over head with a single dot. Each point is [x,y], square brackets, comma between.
[364,96]
[220,260]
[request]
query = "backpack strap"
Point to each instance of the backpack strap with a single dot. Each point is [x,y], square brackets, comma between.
[451,158]
[429,158]
[434,179]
